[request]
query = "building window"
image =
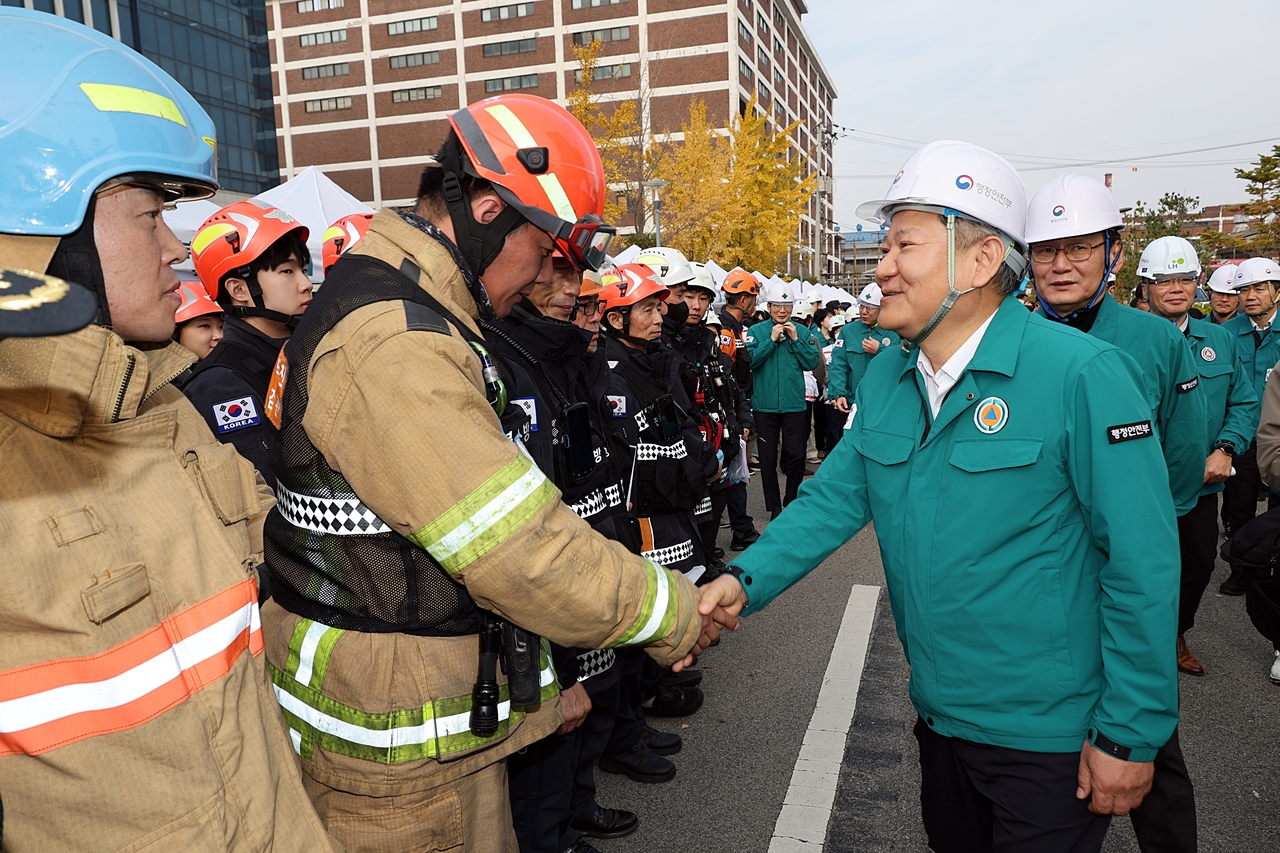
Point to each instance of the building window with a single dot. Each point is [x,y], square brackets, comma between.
[745,69]
[415,25]
[778,46]
[744,32]
[412,60]
[778,16]
[336,69]
[779,80]
[324,105]
[762,22]
[421,93]
[505,84]
[313,39]
[506,48]
[503,13]
[305,6]
[762,56]
[606,72]
[587,4]
[612,34]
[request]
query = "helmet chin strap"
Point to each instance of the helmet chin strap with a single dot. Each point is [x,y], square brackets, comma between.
[952,293]
[258,308]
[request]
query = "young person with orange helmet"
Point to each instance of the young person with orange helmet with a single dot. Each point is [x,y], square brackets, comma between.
[342,235]
[412,531]
[252,258]
[199,320]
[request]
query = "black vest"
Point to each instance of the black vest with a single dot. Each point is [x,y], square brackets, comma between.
[333,560]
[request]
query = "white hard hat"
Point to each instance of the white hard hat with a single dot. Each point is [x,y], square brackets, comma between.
[779,293]
[670,264]
[851,314]
[1221,280]
[1168,257]
[870,296]
[1255,271]
[702,278]
[962,177]
[1111,278]
[836,320]
[1071,206]
[804,310]
[712,318]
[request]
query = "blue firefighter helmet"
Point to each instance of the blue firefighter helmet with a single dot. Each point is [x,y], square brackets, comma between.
[81,109]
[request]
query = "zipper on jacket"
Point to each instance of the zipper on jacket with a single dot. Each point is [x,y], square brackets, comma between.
[124,387]
[928,413]
[147,396]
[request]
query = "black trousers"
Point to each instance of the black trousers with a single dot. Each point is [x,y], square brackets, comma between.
[781,434]
[710,528]
[1242,490]
[1198,542]
[835,426]
[629,720]
[976,798]
[740,521]
[540,780]
[1166,820]
[820,412]
[592,741]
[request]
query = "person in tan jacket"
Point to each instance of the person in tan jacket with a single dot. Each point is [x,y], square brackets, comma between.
[408,513]
[135,708]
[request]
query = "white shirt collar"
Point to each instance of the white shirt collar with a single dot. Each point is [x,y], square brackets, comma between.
[1262,328]
[938,382]
[1185,324]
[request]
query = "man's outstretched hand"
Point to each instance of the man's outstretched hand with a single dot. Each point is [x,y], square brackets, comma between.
[722,601]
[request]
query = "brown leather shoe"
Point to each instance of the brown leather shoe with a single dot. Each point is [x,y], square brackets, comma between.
[1186,661]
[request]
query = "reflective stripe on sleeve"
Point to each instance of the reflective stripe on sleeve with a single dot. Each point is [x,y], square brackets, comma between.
[658,612]
[485,518]
[47,705]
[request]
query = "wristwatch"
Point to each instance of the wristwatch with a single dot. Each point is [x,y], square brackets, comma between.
[1226,447]
[1107,745]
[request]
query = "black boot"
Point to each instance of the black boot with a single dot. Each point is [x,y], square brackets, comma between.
[607,823]
[674,701]
[1233,585]
[662,743]
[742,540]
[640,764]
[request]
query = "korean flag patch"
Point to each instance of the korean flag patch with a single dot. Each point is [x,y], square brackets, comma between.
[618,403]
[236,414]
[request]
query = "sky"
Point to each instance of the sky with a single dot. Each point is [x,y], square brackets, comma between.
[1054,84]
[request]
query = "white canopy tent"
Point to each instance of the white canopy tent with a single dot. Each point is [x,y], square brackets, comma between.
[717,273]
[316,201]
[627,255]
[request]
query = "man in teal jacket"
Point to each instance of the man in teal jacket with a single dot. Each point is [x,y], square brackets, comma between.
[781,351]
[856,345]
[1257,343]
[1004,464]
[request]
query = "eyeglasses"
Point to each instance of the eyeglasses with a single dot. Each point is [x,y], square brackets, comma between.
[1075,252]
[589,307]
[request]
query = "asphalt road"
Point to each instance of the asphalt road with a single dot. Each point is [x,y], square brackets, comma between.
[762,684]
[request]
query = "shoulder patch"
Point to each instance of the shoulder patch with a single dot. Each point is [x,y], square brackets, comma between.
[618,402]
[530,406]
[420,318]
[839,342]
[236,414]
[748,338]
[1128,432]
[1189,385]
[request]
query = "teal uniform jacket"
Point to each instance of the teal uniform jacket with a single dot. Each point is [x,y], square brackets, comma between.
[1169,377]
[1028,539]
[849,361]
[1232,404]
[777,368]
[1258,353]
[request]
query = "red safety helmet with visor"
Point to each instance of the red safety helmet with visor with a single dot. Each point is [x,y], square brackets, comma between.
[342,235]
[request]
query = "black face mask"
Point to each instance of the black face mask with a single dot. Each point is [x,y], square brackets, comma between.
[677,315]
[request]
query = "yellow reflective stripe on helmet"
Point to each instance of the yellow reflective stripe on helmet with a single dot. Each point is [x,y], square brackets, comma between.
[485,518]
[206,236]
[110,98]
[558,197]
[514,127]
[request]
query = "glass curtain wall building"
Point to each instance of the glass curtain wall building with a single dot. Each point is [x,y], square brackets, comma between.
[217,50]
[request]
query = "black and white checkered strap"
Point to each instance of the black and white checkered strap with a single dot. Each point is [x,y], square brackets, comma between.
[344,516]
[595,662]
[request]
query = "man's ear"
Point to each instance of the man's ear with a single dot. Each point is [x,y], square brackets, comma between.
[486,208]
[614,319]
[991,252]
[1117,249]
[238,290]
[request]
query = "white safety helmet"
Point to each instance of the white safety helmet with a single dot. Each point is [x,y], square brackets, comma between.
[1071,206]
[836,320]
[1256,271]
[852,314]
[1222,278]
[711,318]
[870,296]
[779,293]
[670,264]
[1111,278]
[1169,257]
[702,279]
[951,175]
[804,310]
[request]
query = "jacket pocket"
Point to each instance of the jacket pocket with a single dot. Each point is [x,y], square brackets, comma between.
[73,526]
[887,448]
[225,480]
[431,825]
[991,454]
[1214,369]
[115,591]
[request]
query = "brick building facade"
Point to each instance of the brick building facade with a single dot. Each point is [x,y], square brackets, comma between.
[363,88]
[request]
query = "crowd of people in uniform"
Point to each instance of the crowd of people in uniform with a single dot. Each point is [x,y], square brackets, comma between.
[398,562]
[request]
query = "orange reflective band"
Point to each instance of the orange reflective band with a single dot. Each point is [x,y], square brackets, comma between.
[47,705]
[274,404]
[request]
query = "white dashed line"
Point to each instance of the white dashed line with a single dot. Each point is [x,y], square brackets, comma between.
[806,810]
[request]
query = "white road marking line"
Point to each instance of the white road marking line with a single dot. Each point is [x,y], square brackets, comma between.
[806,810]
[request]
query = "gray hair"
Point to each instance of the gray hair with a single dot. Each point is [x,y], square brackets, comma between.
[970,232]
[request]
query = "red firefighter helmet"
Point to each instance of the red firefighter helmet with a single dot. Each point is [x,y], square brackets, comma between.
[342,235]
[741,281]
[628,284]
[542,162]
[235,237]
[195,303]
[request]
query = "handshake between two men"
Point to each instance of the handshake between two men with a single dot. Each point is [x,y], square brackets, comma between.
[720,603]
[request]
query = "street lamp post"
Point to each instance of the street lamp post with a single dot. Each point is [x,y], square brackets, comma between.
[655,185]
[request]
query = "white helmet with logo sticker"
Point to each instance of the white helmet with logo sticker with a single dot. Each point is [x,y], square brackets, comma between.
[1071,206]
